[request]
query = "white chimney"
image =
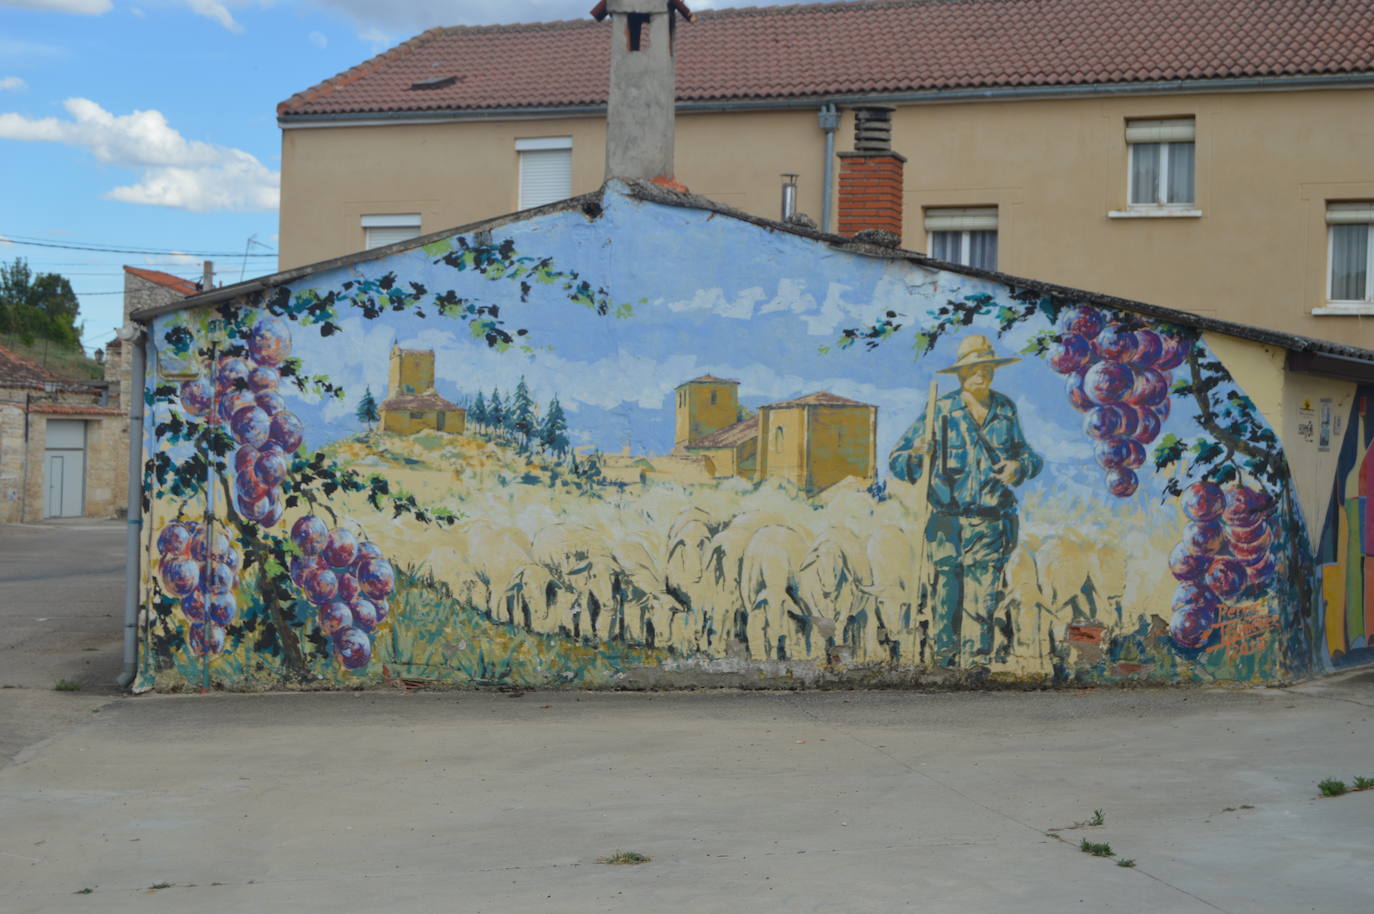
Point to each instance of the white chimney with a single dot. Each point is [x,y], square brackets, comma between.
[641,106]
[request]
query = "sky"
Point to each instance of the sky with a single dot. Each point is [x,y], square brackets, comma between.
[151,125]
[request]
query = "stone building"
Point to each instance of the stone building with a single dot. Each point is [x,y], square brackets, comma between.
[816,440]
[142,289]
[412,404]
[62,445]
[812,441]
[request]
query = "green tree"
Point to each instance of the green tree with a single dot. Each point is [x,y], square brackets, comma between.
[367,410]
[38,306]
[496,412]
[553,431]
[521,417]
[479,410]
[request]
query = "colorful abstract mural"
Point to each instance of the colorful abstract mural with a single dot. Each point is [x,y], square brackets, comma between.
[634,442]
[1346,555]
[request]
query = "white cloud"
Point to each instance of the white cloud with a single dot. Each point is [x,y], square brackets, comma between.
[138,12]
[177,257]
[79,7]
[216,11]
[13,52]
[318,39]
[374,21]
[176,172]
[12,84]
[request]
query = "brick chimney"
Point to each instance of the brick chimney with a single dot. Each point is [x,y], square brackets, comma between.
[641,107]
[870,194]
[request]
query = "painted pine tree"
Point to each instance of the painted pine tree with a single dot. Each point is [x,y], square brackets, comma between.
[367,412]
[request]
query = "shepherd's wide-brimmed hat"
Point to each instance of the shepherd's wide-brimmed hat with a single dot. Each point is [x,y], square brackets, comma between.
[976,349]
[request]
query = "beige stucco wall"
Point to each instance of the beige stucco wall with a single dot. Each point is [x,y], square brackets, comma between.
[1267,162]
[1313,465]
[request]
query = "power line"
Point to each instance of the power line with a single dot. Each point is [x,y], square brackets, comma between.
[112,250]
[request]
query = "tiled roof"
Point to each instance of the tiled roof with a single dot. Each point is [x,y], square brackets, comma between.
[731,436]
[818,399]
[167,280]
[708,379]
[17,370]
[420,403]
[72,409]
[867,47]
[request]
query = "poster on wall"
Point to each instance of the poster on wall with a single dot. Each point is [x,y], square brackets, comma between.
[515,459]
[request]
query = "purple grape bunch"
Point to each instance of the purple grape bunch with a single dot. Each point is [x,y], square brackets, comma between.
[241,395]
[1227,554]
[1120,380]
[348,581]
[202,571]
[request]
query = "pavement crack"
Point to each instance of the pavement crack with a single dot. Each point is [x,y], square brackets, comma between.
[1308,695]
[992,809]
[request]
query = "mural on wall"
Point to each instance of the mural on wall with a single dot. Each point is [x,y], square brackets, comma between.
[1346,555]
[580,469]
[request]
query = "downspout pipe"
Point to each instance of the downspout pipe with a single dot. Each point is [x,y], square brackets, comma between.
[133,538]
[830,122]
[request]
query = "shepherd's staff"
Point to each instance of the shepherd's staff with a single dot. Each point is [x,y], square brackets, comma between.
[921,509]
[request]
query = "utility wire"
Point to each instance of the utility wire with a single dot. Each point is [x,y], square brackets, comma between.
[80,247]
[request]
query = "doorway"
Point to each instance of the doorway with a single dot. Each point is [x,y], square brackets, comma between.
[64,468]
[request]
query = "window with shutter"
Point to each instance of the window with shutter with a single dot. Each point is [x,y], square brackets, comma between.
[1350,240]
[382,229]
[1162,162]
[545,170]
[965,235]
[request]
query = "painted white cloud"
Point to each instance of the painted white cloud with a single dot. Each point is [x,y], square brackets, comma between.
[79,7]
[12,84]
[318,39]
[176,172]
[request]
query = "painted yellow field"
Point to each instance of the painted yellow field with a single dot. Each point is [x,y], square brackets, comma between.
[735,569]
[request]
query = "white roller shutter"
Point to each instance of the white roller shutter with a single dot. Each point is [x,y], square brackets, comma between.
[381,229]
[1354,213]
[1169,130]
[545,176]
[961,219]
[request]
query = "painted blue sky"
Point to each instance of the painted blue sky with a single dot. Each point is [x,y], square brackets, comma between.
[152,124]
[700,307]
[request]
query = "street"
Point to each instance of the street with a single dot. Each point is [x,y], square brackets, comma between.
[764,801]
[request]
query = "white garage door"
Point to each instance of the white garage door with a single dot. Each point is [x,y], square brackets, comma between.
[64,468]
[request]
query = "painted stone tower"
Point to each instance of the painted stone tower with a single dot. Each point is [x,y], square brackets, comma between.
[816,440]
[705,405]
[412,371]
[412,404]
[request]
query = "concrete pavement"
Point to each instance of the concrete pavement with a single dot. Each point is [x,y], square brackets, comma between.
[823,801]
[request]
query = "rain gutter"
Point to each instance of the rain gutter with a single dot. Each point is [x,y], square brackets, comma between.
[930,96]
[133,535]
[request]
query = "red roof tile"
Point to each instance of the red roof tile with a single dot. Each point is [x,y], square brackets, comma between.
[708,379]
[731,436]
[867,47]
[426,402]
[819,399]
[167,280]
[17,370]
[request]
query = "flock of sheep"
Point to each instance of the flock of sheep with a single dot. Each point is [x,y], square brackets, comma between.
[731,571]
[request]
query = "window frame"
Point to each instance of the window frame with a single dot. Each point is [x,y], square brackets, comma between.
[390,221]
[970,219]
[525,145]
[1159,205]
[1350,303]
